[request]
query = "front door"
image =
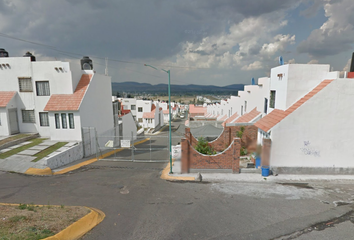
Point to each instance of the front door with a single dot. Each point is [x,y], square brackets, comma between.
[13,121]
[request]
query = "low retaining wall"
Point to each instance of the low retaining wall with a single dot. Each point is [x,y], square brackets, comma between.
[228,159]
[63,158]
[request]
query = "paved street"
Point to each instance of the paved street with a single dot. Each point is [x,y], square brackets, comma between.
[139,205]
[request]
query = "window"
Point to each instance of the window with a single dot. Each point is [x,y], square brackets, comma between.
[71,121]
[64,123]
[140,120]
[272,99]
[0,121]
[133,107]
[57,121]
[241,110]
[28,116]
[245,106]
[43,119]
[265,105]
[25,84]
[140,109]
[42,88]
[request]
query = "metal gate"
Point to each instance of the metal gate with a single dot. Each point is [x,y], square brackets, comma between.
[151,148]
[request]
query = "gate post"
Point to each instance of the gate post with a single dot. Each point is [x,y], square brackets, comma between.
[236,155]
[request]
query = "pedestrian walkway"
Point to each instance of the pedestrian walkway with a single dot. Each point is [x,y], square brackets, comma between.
[253,177]
[22,161]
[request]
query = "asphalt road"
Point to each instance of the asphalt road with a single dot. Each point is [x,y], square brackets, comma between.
[139,205]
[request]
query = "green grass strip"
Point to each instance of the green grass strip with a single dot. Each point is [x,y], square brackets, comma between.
[14,151]
[47,151]
[13,138]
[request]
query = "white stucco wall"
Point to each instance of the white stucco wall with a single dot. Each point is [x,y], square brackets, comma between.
[96,107]
[129,127]
[67,134]
[319,133]
[296,81]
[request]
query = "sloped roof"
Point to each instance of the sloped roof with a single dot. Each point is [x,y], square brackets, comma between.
[69,102]
[274,117]
[5,98]
[223,118]
[248,116]
[230,119]
[149,114]
[197,109]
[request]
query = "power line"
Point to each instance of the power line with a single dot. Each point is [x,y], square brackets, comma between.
[103,58]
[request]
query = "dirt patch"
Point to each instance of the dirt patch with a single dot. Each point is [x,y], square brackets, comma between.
[28,221]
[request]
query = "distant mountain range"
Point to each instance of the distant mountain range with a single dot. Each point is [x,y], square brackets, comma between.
[135,87]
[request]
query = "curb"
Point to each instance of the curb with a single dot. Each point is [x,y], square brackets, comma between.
[48,172]
[78,228]
[166,176]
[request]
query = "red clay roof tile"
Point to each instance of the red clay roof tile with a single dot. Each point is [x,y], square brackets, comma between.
[5,98]
[273,118]
[248,116]
[69,102]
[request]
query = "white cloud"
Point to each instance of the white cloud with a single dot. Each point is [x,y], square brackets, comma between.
[249,44]
[253,66]
[335,35]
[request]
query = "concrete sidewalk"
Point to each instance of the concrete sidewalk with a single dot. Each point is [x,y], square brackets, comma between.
[253,177]
[22,161]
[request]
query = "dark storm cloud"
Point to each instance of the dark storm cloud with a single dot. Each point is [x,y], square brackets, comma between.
[6,7]
[126,29]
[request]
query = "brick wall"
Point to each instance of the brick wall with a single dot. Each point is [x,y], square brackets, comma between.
[248,141]
[229,159]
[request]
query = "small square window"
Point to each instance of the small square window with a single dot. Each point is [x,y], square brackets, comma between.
[28,116]
[42,88]
[25,84]
[140,109]
[43,119]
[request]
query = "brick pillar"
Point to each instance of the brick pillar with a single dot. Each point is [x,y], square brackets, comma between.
[187,134]
[184,155]
[236,157]
[265,156]
[227,137]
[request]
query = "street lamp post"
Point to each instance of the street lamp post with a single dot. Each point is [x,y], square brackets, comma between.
[169,109]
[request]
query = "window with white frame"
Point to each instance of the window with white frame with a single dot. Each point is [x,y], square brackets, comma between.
[140,120]
[57,121]
[133,107]
[140,109]
[42,88]
[28,116]
[25,84]
[43,119]
[64,123]
[71,121]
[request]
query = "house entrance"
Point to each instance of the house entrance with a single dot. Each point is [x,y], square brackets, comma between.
[13,121]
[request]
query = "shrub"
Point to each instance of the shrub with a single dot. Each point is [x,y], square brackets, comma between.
[203,147]
[243,151]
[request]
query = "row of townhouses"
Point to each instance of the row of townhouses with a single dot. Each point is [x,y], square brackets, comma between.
[302,111]
[149,114]
[53,98]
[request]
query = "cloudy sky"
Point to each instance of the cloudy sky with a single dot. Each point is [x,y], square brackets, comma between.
[204,42]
